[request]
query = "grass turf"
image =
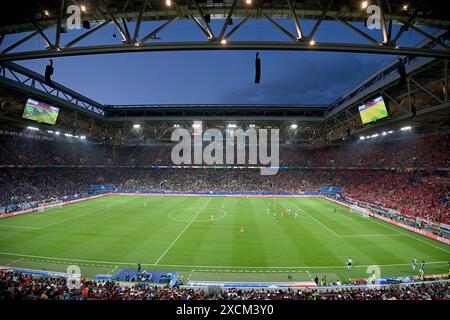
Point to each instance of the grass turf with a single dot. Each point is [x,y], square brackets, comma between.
[200,237]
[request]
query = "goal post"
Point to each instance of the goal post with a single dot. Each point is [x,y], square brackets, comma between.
[364,212]
[43,206]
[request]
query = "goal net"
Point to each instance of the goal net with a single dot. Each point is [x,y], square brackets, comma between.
[43,206]
[360,210]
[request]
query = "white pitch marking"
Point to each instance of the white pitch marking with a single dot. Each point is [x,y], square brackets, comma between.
[317,220]
[45,259]
[181,233]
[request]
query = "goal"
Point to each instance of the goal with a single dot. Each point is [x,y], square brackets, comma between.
[360,210]
[45,206]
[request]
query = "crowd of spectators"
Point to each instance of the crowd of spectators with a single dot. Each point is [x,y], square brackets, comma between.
[417,151]
[19,286]
[414,193]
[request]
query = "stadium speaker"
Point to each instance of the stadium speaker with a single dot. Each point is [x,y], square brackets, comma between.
[257,68]
[413,111]
[208,18]
[401,69]
[86,24]
[48,73]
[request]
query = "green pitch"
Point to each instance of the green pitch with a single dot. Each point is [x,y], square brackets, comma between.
[200,237]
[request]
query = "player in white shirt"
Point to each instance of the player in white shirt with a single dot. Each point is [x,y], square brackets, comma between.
[414,264]
[349,263]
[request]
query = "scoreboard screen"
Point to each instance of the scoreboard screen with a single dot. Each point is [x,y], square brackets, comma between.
[373,110]
[40,112]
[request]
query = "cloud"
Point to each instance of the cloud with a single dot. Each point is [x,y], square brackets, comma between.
[311,80]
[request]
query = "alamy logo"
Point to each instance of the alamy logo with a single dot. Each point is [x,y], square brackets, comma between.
[374,19]
[191,148]
[74,19]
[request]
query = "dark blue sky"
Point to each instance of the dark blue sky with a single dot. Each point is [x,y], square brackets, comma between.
[215,77]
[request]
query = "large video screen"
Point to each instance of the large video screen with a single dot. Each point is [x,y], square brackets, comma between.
[373,110]
[40,112]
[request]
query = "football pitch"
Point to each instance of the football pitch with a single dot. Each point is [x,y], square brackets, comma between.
[200,237]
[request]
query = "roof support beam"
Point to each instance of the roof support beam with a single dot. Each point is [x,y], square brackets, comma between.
[42,34]
[319,21]
[365,35]
[237,27]
[153,34]
[295,18]
[122,32]
[125,28]
[228,19]
[403,28]
[139,20]
[433,39]
[431,94]
[399,106]
[86,34]
[202,17]
[18,43]
[283,29]
[207,34]
[59,23]
[383,23]
[236,45]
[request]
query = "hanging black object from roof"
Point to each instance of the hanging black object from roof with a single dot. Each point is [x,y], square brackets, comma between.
[401,69]
[257,68]
[48,73]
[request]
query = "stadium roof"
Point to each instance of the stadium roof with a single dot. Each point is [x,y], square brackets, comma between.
[427,73]
[38,16]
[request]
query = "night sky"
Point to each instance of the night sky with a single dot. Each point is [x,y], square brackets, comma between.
[215,76]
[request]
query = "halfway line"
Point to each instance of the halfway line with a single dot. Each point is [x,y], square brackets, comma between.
[185,228]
